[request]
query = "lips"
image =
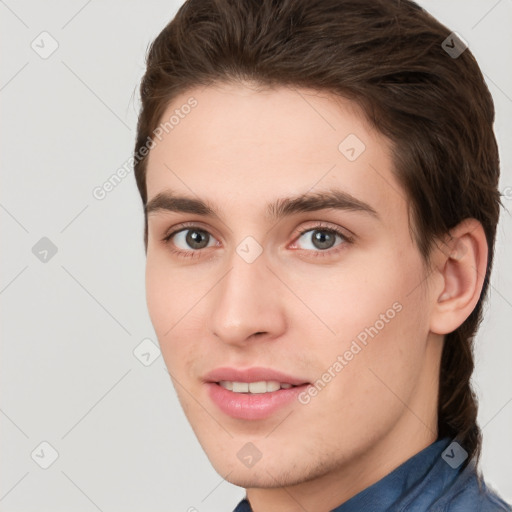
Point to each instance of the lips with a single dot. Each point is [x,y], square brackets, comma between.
[244,405]
[254,374]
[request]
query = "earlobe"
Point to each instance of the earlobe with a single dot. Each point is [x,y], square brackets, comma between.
[462,263]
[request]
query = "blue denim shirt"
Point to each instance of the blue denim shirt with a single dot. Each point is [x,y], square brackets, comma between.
[433,480]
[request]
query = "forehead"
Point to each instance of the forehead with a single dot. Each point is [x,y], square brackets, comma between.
[241,142]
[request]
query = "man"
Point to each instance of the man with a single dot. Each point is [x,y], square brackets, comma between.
[319,182]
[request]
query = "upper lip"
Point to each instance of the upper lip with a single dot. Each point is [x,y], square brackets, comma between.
[254,374]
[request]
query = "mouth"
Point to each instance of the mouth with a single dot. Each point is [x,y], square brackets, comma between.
[255,388]
[254,393]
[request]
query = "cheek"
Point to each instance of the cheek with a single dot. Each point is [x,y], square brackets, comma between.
[158,298]
[164,298]
[389,333]
[379,314]
[174,309]
[166,293]
[367,296]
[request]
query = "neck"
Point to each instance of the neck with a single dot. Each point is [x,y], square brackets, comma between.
[328,491]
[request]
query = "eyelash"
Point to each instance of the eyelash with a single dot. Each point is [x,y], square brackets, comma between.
[319,227]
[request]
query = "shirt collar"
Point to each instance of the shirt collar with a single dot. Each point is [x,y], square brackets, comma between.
[425,471]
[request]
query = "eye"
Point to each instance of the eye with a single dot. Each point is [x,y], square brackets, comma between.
[321,239]
[189,240]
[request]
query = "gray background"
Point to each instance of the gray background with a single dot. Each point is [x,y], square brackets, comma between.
[70,324]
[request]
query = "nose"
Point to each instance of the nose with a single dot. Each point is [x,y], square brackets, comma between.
[248,303]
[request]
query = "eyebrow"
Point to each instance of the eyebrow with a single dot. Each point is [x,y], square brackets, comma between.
[283,207]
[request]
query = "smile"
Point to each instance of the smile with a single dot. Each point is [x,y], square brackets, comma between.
[261,386]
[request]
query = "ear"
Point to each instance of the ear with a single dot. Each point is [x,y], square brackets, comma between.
[461,262]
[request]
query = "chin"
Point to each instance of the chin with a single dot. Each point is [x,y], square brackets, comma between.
[261,477]
[268,472]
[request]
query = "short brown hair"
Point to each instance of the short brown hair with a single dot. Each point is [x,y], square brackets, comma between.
[387,56]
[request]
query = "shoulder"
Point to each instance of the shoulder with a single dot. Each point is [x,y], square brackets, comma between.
[471,494]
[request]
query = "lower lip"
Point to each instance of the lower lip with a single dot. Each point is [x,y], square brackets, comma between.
[249,406]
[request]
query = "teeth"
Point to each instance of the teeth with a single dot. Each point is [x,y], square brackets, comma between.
[263,387]
[226,384]
[240,387]
[254,387]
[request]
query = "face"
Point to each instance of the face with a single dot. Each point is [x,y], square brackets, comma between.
[272,274]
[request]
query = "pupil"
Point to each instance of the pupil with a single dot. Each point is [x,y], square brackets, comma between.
[194,238]
[323,239]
